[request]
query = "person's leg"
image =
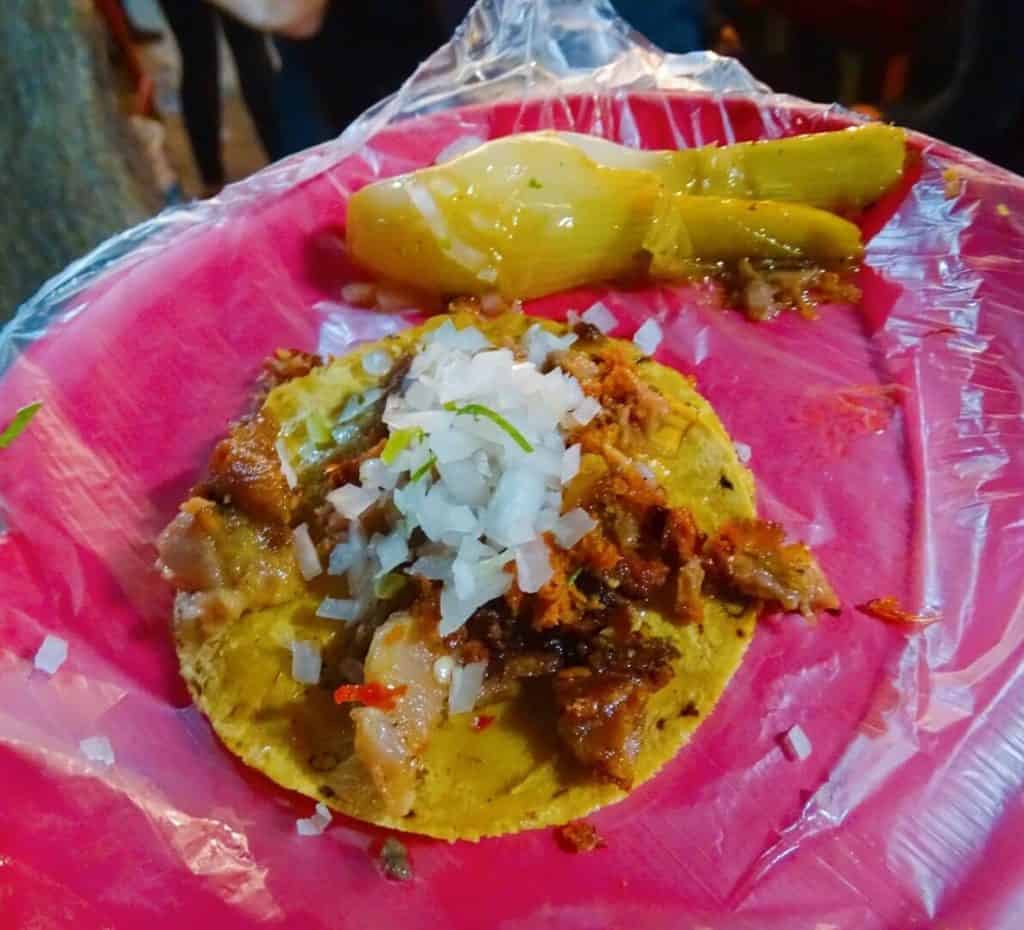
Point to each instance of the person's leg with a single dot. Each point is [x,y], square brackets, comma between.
[364,52]
[195,28]
[256,75]
[301,117]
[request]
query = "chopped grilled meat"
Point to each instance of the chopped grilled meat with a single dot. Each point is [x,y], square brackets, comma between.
[646,658]
[188,548]
[600,720]
[753,558]
[689,606]
[388,738]
[642,544]
[533,664]
[245,468]
[763,289]
[601,707]
[598,552]
[553,603]
[680,539]
[587,332]
[639,577]
[579,365]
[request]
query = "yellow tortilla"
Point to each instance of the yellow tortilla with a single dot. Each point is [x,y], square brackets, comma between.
[512,775]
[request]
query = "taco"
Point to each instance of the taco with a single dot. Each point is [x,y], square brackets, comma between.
[481,576]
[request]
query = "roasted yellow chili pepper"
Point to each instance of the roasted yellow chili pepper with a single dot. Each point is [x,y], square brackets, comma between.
[534,214]
[844,170]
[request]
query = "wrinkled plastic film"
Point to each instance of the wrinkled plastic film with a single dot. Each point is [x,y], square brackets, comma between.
[887,435]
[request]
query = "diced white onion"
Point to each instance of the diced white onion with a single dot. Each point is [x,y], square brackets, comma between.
[539,343]
[515,506]
[601,317]
[339,608]
[533,566]
[646,472]
[440,516]
[306,662]
[489,463]
[392,550]
[464,482]
[305,552]
[743,451]
[98,749]
[571,463]
[51,655]
[572,527]
[466,684]
[451,445]
[377,363]
[316,824]
[351,500]
[586,411]
[374,473]
[492,583]
[433,567]
[795,743]
[648,337]
[287,470]
[349,554]
[469,339]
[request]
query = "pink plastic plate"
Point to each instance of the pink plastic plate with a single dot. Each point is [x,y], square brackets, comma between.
[888,435]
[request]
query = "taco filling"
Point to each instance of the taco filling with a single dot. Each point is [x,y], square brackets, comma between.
[486,563]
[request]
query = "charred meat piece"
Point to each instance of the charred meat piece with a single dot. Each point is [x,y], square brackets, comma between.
[646,658]
[245,468]
[601,707]
[601,720]
[753,558]
[578,836]
[688,604]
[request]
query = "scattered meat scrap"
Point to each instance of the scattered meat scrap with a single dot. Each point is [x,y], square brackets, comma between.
[889,609]
[578,836]
[394,860]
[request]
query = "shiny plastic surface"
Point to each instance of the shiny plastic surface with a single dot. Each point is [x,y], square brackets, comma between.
[890,436]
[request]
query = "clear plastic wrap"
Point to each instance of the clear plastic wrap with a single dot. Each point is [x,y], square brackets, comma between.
[888,435]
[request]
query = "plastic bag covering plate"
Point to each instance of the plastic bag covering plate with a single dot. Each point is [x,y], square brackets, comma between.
[889,436]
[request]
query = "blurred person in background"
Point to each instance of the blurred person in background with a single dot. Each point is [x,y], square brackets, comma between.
[138,33]
[195,26]
[981,106]
[361,53]
[673,25]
